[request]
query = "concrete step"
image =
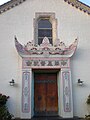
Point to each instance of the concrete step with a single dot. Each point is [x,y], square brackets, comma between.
[54,118]
[50,118]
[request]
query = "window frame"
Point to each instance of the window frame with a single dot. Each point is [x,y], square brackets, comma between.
[44,29]
[53,21]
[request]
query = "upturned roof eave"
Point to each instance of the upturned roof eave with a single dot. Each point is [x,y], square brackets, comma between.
[45,47]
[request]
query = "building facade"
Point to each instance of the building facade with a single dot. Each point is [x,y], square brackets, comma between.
[45,49]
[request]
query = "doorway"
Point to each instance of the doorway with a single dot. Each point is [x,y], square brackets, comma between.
[45,94]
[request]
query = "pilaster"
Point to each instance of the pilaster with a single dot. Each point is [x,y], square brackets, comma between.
[66,93]
[26,93]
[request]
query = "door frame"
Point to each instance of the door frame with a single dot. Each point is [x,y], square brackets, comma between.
[50,57]
[64,82]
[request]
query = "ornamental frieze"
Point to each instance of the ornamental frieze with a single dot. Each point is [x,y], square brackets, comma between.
[34,62]
[45,49]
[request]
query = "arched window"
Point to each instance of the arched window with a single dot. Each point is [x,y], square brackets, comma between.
[45,25]
[44,30]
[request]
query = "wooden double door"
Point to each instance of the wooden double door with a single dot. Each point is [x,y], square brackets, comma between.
[46,94]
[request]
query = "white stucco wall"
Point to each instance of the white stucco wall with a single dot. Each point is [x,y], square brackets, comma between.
[18,21]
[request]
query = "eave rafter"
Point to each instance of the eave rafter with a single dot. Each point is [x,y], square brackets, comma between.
[9,5]
[13,3]
[79,5]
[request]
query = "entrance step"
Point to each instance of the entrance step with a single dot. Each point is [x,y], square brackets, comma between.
[55,118]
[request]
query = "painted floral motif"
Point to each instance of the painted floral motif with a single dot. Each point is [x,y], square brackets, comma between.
[25,92]
[31,63]
[66,91]
[63,62]
[28,63]
[42,63]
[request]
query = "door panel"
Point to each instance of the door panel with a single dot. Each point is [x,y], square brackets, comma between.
[46,96]
[52,99]
[40,93]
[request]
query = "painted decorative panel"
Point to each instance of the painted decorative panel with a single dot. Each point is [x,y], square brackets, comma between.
[66,91]
[26,92]
[45,49]
[45,62]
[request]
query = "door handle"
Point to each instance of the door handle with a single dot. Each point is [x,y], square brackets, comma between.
[39,98]
[52,98]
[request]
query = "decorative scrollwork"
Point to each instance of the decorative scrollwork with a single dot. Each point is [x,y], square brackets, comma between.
[46,49]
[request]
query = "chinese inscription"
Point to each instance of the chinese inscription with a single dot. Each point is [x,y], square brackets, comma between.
[66,91]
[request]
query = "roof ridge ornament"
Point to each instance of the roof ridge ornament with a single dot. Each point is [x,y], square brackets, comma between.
[45,42]
[60,44]
[46,49]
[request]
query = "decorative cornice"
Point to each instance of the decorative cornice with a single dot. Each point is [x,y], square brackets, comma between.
[9,5]
[13,3]
[79,5]
[45,49]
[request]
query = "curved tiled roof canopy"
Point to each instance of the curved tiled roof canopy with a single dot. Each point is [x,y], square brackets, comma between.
[75,3]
